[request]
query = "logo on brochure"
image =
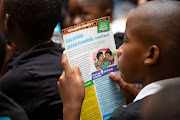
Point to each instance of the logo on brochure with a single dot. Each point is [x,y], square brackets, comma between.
[103,26]
[103,58]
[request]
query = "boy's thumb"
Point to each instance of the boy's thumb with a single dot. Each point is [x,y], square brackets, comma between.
[117,79]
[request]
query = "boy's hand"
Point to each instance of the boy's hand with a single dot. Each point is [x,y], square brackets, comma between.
[129,91]
[10,48]
[71,89]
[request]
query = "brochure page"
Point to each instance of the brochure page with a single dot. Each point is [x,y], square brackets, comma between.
[92,46]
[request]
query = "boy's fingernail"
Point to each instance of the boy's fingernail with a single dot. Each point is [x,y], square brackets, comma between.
[77,66]
[64,52]
[111,75]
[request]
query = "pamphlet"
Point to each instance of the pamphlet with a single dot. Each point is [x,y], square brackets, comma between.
[92,46]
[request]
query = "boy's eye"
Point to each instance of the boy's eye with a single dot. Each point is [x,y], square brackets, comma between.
[125,41]
[84,14]
[71,15]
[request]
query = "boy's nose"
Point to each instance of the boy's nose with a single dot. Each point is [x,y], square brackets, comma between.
[77,20]
[119,51]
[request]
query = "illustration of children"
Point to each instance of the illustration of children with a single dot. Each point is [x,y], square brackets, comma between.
[101,64]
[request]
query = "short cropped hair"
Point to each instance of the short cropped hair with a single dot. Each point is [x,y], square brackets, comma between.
[99,53]
[36,18]
[2,49]
[108,51]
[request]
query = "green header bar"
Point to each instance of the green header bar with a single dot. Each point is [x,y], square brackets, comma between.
[88,83]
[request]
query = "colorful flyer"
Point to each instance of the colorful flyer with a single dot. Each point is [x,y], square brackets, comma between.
[92,46]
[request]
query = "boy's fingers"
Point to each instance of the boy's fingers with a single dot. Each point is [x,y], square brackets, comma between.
[58,84]
[77,72]
[65,63]
[62,76]
[117,79]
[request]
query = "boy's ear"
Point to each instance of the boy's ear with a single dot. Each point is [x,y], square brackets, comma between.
[8,22]
[108,12]
[152,55]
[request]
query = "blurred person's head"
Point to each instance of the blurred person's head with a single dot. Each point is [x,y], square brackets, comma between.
[151,44]
[85,10]
[65,18]
[163,106]
[29,22]
[2,49]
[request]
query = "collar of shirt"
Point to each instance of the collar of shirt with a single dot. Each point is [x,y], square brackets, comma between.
[49,41]
[155,87]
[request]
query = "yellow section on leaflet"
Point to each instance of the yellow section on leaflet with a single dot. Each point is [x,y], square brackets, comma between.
[90,108]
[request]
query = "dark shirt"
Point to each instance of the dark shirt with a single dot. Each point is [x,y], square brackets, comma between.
[131,112]
[10,109]
[31,81]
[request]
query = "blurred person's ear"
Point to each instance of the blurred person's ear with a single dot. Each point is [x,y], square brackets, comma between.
[9,23]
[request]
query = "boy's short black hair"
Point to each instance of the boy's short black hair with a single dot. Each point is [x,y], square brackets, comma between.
[2,49]
[99,53]
[36,18]
[108,51]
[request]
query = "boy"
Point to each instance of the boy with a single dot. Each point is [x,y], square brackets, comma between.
[100,61]
[31,78]
[148,56]
[84,10]
[109,57]
[8,108]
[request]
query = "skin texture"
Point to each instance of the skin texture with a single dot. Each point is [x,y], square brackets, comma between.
[132,48]
[85,10]
[152,54]
[150,49]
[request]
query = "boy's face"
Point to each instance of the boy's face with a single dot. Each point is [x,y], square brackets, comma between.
[84,10]
[108,55]
[131,55]
[101,57]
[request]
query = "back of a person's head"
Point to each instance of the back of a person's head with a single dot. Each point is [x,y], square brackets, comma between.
[164,105]
[163,17]
[158,24]
[36,18]
[2,49]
